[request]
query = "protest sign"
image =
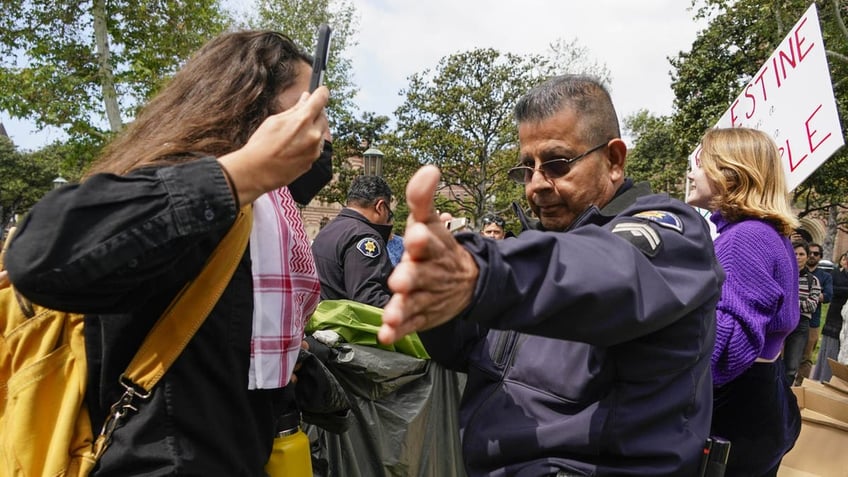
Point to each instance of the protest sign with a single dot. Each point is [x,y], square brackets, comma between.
[791,98]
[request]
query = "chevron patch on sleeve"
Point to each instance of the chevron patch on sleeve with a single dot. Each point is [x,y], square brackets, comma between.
[641,235]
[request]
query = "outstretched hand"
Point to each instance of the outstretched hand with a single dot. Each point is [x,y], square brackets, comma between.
[436,276]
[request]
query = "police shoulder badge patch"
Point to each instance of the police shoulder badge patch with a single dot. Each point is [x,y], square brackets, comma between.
[663,218]
[368,247]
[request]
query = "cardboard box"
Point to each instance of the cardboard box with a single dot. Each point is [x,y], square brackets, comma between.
[839,378]
[822,447]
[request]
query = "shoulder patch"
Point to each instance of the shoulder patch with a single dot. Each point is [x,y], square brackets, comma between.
[640,234]
[663,218]
[368,247]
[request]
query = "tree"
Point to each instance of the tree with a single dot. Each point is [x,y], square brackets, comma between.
[740,36]
[571,57]
[72,64]
[299,20]
[351,135]
[656,154]
[26,178]
[460,119]
[350,139]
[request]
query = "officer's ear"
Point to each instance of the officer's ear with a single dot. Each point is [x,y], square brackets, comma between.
[379,205]
[617,154]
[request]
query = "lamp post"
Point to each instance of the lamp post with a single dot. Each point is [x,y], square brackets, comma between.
[59,182]
[373,161]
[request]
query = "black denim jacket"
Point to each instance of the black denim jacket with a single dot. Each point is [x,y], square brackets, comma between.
[119,249]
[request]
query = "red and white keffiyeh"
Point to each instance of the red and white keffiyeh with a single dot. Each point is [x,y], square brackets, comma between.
[285,288]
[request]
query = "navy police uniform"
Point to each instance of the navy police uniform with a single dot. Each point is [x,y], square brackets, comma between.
[588,351]
[351,258]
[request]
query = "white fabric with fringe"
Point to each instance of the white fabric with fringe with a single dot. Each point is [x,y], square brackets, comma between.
[285,288]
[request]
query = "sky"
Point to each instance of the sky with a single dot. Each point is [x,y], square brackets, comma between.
[398,38]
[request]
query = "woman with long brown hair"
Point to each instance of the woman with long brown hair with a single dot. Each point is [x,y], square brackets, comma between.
[740,178]
[233,127]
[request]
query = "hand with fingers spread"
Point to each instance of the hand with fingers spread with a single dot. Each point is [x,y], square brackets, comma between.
[436,277]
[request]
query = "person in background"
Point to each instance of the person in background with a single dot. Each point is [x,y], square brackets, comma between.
[587,340]
[232,128]
[833,323]
[739,177]
[494,227]
[350,251]
[809,296]
[801,235]
[825,280]
[395,248]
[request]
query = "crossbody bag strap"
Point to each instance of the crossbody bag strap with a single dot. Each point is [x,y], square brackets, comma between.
[175,328]
[189,309]
[5,246]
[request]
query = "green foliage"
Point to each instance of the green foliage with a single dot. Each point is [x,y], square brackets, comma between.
[299,20]
[351,138]
[740,36]
[657,156]
[26,178]
[49,64]
[459,117]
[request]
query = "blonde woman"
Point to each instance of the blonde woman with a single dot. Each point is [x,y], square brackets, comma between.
[739,177]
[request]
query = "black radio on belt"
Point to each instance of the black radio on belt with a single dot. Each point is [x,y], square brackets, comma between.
[714,460]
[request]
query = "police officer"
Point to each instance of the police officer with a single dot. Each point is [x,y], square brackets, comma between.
[350,251]
[587,342]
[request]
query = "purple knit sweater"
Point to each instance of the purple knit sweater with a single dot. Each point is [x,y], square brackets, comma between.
[758,307]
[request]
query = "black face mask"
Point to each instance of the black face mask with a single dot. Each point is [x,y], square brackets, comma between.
[307,186]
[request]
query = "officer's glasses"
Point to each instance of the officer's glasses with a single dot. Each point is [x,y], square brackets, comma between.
[553,169]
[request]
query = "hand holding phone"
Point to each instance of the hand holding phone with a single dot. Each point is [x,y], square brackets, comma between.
[322,53]
[307,186]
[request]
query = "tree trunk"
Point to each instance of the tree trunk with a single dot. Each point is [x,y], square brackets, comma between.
[832,228]
[104,67]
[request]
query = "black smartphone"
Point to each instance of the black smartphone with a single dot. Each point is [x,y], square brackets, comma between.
[307,186]
[319,61]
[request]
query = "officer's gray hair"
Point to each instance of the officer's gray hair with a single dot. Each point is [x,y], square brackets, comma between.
[585,95]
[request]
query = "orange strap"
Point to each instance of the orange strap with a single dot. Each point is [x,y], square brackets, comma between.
[189,309]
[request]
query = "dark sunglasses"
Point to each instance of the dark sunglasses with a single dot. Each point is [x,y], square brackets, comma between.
[817,254]
[391,215]
[494,220]
[553,169]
